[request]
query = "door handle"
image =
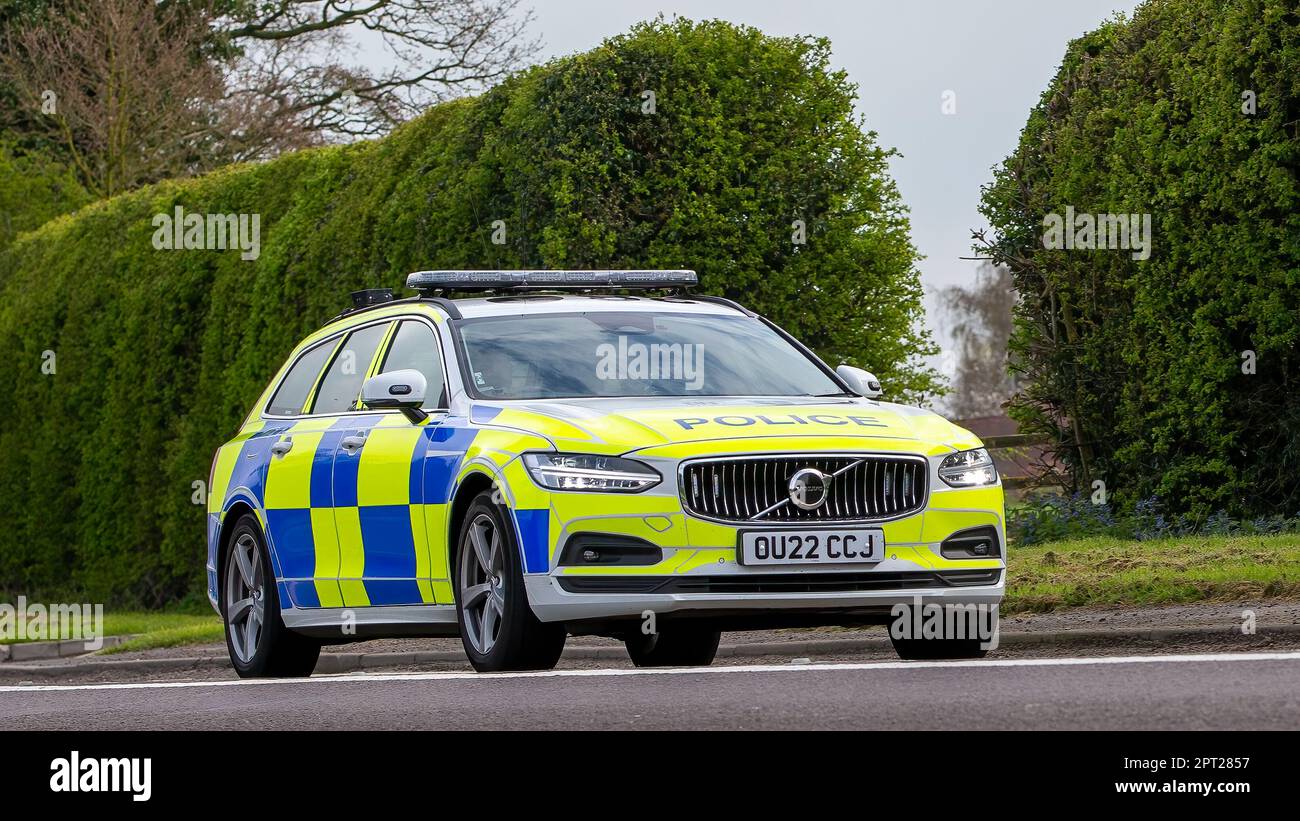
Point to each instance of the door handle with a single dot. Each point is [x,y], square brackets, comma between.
[353,443]
[282,447]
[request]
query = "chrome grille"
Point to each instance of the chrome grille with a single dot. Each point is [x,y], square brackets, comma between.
[757,488]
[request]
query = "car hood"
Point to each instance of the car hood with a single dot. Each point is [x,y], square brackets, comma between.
[629,424]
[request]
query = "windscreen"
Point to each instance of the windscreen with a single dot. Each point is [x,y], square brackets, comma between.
[634,354]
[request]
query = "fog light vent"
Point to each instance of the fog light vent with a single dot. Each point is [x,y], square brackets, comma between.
[609,548]
[975,543]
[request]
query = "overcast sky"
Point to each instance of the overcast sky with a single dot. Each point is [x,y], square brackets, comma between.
[997,58]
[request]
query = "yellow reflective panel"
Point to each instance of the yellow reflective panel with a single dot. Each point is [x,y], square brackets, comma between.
[352,557]
[577,505]
[325,540]
[226,459]
[422,558]
[902,530]
[795,444]
[408,308]
[672,536]
[442,593]
[288,477]
[435,528]
[384,473]
[977,498]
[544,425]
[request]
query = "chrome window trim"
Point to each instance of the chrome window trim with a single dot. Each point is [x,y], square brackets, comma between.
[755,524]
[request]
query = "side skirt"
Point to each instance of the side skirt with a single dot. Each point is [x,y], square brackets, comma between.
[344,624]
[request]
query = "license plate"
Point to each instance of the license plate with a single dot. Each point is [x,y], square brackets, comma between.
[821,546]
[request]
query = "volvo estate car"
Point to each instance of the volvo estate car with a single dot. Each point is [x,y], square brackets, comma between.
[565,453]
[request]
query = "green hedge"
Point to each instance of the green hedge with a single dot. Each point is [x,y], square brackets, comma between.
[1136,366]
[160,353]
[33,190]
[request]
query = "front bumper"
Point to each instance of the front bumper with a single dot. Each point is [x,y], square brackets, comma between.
[699,574]
[552,602]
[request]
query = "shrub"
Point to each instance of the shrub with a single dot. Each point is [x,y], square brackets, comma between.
[1042,518]
[33,190]
[1140,369]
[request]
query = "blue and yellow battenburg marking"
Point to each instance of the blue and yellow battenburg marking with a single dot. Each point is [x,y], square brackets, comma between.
[350,527]
[347,527]
[370,526]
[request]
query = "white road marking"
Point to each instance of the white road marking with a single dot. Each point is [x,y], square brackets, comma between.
[669,671]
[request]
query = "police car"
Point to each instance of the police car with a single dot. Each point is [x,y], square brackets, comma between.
[564,453]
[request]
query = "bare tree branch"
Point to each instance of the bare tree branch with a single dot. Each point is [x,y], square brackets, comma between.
[293,53]
[148,89]
[119,84]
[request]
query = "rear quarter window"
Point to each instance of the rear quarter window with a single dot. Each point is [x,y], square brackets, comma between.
[291,396]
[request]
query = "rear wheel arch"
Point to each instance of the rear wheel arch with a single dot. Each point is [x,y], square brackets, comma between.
[228,519]
[257,639]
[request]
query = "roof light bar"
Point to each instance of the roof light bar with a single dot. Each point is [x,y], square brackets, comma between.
[516,280]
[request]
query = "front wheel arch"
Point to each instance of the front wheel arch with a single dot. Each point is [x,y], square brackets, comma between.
[522,641]
[469,489]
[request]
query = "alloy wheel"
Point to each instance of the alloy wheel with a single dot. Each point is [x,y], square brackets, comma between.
[482,584]
[245,597]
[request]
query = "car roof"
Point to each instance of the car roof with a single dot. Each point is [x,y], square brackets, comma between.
[522,305]
[516,305]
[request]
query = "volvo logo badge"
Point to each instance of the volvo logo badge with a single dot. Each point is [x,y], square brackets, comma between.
[809,488]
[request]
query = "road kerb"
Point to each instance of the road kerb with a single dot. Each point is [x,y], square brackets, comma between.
[41,650]
[351,662]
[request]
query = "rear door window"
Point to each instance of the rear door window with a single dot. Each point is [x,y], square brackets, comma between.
[341,387]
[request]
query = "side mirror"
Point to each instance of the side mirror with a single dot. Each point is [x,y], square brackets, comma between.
[401,390]
[861,382]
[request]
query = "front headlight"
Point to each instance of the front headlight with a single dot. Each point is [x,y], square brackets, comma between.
[969,468]
[583,471]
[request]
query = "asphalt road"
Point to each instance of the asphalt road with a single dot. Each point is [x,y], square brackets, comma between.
[1185,692]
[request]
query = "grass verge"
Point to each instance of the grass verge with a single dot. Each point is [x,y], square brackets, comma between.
[201,627]
[189,630]
[1108,571]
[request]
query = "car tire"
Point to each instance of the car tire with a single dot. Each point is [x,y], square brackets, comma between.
[251,602]
[674,646]
[497,626]
[934,649]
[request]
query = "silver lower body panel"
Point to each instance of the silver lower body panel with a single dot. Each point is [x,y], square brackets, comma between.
[550,602]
